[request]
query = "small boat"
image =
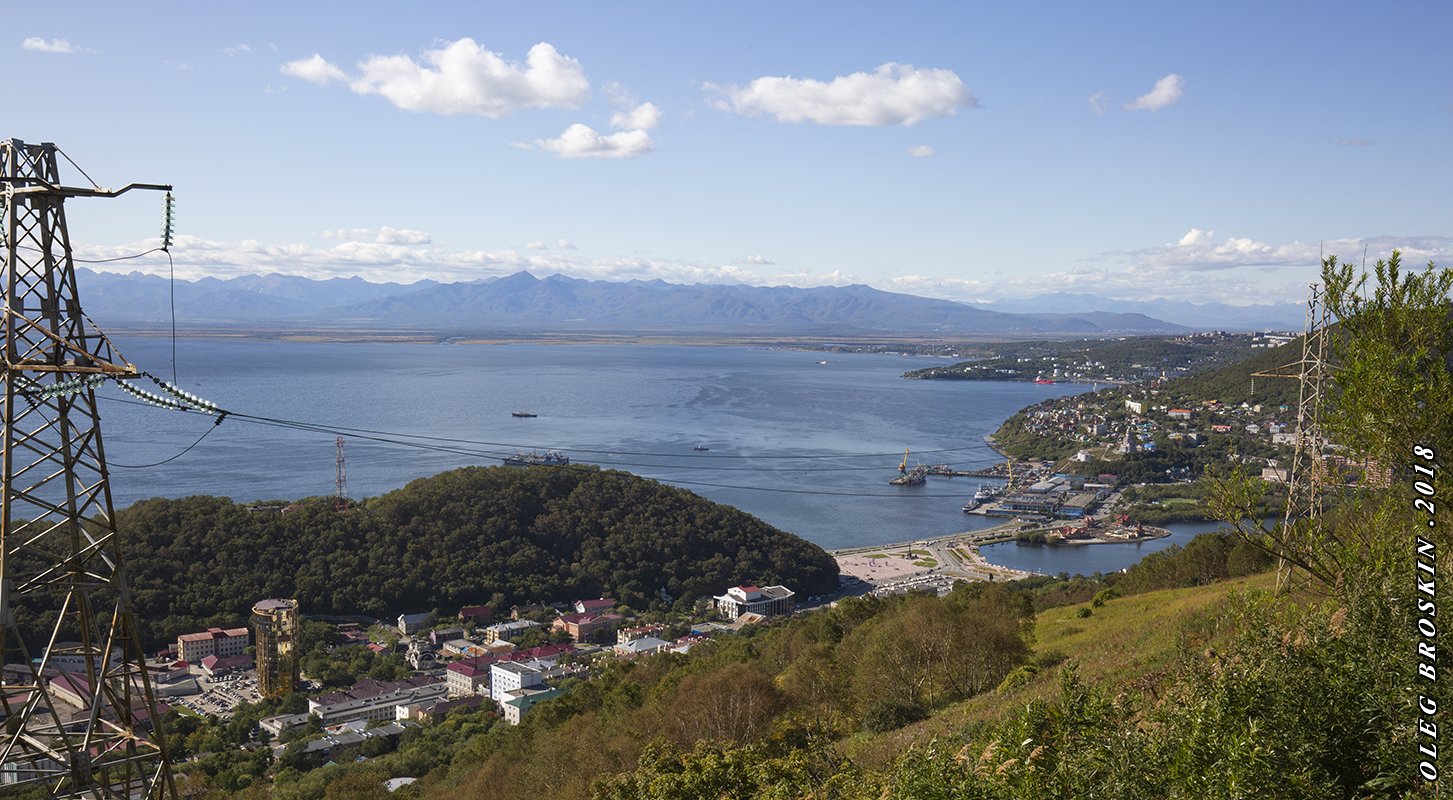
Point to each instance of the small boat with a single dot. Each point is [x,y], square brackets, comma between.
[701,448]
[522,414]
[1043,380]
[822,363]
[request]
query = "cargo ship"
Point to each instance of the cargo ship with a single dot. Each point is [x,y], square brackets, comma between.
[522,414]
[549,458]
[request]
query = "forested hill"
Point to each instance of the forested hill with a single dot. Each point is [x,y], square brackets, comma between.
[457,538]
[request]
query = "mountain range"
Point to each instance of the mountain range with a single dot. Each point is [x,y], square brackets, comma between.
[1201,316]
[523,303]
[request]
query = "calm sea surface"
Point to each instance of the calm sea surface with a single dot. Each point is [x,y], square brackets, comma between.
[807,447]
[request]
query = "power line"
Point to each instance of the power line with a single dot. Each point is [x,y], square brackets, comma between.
[430,444]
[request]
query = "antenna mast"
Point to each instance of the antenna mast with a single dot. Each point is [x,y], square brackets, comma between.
[340,495]
[80,716]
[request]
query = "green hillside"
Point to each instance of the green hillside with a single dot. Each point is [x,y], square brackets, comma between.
[460,537]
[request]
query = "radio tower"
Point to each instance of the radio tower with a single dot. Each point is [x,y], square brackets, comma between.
[340,496]
[65,607]
[1306,471]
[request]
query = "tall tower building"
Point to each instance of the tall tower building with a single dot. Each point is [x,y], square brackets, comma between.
[275,630]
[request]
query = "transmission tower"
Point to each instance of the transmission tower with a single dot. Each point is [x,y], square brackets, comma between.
[1306,471]
[340,495]
[80,716]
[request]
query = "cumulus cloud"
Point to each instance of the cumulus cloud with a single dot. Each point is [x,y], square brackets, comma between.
[378,261]
[464,78]
[40,45]
[1166,92]
[757,260]
[563,244]
[643,117]
[583,141]
[314,69]
[893,94]
[922,151]
[1198,252]
[1196,236]
[1097,103]
[384,235]
[537,246]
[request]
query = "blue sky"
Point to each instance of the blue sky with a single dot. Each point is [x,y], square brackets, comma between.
[954,150]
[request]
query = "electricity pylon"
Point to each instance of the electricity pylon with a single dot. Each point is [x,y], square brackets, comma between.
[80,718]
[1306,471]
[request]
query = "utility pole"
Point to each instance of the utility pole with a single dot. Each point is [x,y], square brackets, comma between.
[340,495]
[1306,471]
[80,719]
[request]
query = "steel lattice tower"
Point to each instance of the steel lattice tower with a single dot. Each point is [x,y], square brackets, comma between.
[340,478]
[1306,471]
[67,631]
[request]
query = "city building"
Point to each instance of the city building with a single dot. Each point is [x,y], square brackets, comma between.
[587,626]
[769,601]
[467,677]
[193,647]
[410,624]
[276,626]
[370,699]
[504,630]
[521,701]
[508,676]
[597,606]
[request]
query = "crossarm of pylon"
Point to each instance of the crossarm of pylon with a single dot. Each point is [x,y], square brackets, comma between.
[100,366]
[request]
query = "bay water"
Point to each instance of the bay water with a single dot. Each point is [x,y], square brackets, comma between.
[806,446]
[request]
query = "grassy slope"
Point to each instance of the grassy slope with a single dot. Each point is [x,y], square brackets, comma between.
[1128,642]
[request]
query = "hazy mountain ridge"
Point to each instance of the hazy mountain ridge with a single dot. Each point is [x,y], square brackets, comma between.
[1206,316]
[523,302]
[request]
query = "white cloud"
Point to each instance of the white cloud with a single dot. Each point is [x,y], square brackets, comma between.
[1197,253]
[377,261]
[894,94]
[565,244]
[384,235]
[314,69]
[1354,141]
[643,117]
[464,78]
[40,45]
[387,235]
[537,246]
[922,151]
[755,260]
[1167,91]
[237,50]
[1196,236]
[617,94]
[1097,103]
[583,141]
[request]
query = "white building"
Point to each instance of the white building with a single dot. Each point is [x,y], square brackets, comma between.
[509,676]
[769,601]
[410,624]
[370,699]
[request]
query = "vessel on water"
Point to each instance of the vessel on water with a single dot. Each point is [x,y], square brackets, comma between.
[1043,380]
[909,477]
[701,447]
[549,458]
[523,414]
[982,496]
